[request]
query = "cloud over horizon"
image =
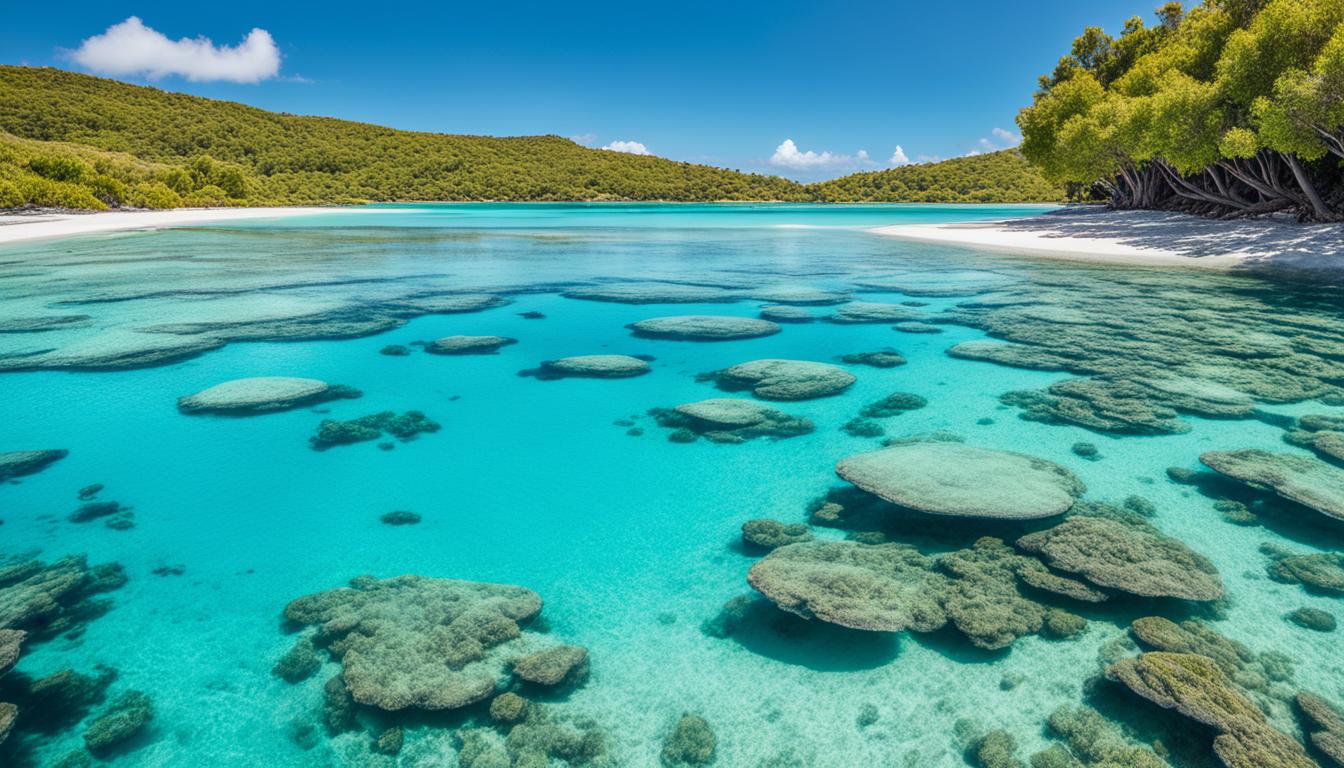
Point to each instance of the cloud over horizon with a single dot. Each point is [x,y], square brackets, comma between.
[131,48]
[1003,139]
[788,155]
[628,147]
[898,157]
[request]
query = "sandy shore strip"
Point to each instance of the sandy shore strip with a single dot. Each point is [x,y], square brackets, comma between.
[19,227]
[1146,237]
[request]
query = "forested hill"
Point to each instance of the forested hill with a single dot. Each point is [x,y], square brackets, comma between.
[77,141]
[998,177]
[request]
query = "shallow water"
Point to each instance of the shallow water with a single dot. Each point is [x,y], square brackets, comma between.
[631,541]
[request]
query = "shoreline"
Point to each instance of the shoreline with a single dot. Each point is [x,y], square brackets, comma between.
[1152,238]
[23,227]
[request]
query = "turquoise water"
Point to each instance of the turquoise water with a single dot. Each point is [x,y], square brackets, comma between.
[630,540]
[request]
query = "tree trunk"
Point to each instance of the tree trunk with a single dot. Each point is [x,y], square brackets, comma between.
[1318,206]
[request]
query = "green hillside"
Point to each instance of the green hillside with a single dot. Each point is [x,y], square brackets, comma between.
[77,141]
[999,177]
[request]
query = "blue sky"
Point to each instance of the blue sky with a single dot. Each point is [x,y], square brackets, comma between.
[726,83]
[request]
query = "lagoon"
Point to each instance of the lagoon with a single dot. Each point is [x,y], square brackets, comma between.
[572,489]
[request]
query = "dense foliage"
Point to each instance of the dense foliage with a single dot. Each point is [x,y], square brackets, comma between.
[999,177]
[1235,107]
[77,141]
[264,157]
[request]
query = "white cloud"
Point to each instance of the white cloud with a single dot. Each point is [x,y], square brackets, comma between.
[862,156]
[1003,139]
[131,48]
[628,147]
[788,156]
[584,138]
[898,157]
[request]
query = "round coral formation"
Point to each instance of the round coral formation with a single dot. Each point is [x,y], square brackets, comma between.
[886,588]
[468,345]
[774,379]
[704,328]
[595,367]
[262,394]
[964,481]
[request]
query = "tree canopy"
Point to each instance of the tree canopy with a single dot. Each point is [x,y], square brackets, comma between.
[1234,107]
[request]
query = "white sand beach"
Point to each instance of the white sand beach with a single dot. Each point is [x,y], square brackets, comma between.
[18,227]
[1145,237]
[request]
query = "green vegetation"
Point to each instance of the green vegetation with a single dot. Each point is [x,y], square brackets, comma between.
[76,141]
[999,177]
[234,153]
[1233,108]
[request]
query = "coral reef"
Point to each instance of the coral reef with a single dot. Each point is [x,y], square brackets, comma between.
[1314,619]
[1323,723]
[127,715]
[893,405]
[414,642]
[728,420]
[872,312]
[19,463]
[299,663]
[1195,687]
[395,350]
[562,665]
[786,314]
[1318,572]
[692,742]
[1129,406]
[1131,557]
[405,427]
[263,394]
[592,367]
[1322,433]
[60,598]
[654,293]
[1091,741]
[885,588]
[42,323]
[468,345]
[704,328]
[882,358]
[1255,673]
[772,534]
[996,749]
[798,295]
[860,427]
[534,736]
[914,326]
[774,379]
[399,517]
[1310,482]
[958,480]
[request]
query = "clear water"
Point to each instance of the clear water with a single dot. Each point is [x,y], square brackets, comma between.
[630,540]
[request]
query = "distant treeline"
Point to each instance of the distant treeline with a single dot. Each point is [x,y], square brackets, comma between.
[76,141]
[998,177]
[1233,108]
